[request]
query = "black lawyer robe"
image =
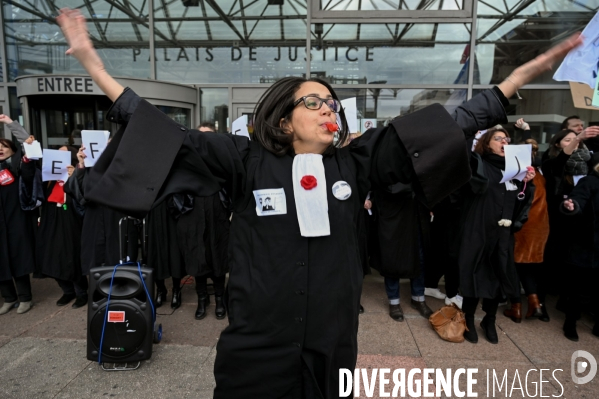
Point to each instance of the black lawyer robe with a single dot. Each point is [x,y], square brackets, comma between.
[100,229]
[400,225]
[58,251]
[486,255]
[17,227]
[293,301]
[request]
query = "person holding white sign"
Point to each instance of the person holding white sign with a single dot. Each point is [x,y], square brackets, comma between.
[486,255]
[58,240]
[293,269]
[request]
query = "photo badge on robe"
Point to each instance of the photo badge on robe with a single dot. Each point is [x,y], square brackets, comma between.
[270,201]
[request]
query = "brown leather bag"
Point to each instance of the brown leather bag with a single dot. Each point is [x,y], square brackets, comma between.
[449,323]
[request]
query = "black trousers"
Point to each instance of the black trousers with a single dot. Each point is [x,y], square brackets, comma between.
[489,306]
[202,284]
[581,280]
[22,292]
[162,286]
[531,277]
[78,288]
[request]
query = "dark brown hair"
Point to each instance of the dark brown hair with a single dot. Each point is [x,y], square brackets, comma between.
[276,104]
[566,121]
[9,143]
[554,148]
[209,125]
[482,145]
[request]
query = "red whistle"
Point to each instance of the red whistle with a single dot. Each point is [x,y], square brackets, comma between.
[332,127]
[530,168]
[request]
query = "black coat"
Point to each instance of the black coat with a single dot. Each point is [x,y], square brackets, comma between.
[292,300]
[486,255]
[584,251]
[17,226]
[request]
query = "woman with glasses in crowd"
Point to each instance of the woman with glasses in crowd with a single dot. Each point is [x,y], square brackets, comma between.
[486,256]
[295,274]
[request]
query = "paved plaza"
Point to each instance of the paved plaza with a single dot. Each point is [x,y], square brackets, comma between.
[42,353]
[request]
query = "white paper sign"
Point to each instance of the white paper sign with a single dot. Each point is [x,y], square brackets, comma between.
[54,166]
[351,114]
[240,126]
[580,65]
[368,124]
[517,159]
[95,142]
[33,150]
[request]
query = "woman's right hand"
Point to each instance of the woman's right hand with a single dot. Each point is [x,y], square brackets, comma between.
[588,133]
[81,157]
[29,140]
[569,205]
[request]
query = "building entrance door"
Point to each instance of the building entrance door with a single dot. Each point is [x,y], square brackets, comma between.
[58,120]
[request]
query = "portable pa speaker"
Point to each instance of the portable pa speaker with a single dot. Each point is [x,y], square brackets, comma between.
[130,328]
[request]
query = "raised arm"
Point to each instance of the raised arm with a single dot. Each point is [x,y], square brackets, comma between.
[75,31]
[487,109]
[15,128]
[542,63]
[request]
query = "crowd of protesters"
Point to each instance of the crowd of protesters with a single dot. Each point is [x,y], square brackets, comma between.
[489,241]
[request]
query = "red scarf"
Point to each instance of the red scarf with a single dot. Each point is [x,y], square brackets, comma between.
[57,194]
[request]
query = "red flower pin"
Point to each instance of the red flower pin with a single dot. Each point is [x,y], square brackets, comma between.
[308,182]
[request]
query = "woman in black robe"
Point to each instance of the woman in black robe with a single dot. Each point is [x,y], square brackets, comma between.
[295,273]
[17,230]
[100,228]
[486,256]
[58,243]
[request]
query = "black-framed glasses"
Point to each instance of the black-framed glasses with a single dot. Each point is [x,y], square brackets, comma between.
[315,103]
[502,138]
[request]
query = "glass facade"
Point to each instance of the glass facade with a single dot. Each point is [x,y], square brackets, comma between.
[395,56]
[35,45]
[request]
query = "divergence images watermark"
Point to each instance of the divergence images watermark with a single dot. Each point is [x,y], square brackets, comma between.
[429,382]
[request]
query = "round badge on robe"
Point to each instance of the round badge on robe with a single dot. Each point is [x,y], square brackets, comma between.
[341,190]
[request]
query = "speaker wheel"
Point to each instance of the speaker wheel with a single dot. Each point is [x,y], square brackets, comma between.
[157,333]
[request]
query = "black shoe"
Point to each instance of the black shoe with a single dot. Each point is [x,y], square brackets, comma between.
[422,308]
[203,301]
[470,333]
[176,301]
[65,299]
[570,331]
[361,309]
[220,312]
[396,312]
[160,299]
[488,326]
[80,302]
[545,316]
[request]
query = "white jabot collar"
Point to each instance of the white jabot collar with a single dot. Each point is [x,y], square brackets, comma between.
[311,205]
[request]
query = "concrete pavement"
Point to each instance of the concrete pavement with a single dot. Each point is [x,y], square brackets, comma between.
[42,352]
